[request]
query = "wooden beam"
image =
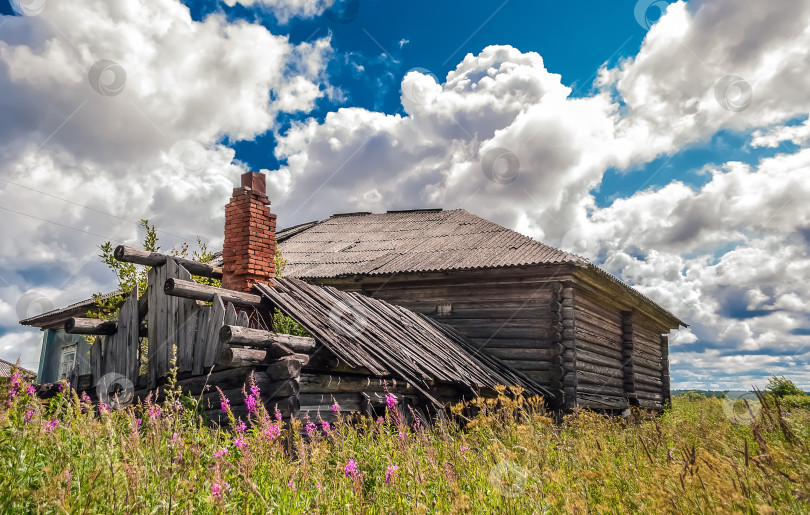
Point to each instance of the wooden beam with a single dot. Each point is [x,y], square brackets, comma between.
[258,338]
[196,291]
[143,257]
[95,326]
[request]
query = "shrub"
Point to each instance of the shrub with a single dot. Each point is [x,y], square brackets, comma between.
[781,386]
[794,402]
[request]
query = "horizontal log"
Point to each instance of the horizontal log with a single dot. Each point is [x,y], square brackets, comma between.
[144,257]
[600,379]
[596,348]
[325,362]
[237,335]
[203,292]
[595,401]
[225,379]
[93,326]
[601,390]
[284,369]
[645,379]
[323,402]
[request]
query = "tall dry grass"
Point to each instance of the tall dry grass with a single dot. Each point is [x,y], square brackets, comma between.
[67,455]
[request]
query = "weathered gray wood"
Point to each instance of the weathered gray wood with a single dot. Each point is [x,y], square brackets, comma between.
[184,321]
[665,386]
[90,326]
[142,257]
[157,361]
[230,314]
[284,369]
[627,354]
[236,335]
[203,292]
[213,345]
[225,379]
[242,319]
[96,359]
[198,355]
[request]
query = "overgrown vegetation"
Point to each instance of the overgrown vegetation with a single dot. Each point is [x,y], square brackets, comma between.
[129,276]
[67,455]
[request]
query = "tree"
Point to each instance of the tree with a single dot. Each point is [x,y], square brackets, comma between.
[781,386]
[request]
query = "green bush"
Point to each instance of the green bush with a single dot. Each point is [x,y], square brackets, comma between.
[794,402]
[781,387]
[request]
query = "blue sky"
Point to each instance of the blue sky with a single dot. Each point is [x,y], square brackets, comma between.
[634,148]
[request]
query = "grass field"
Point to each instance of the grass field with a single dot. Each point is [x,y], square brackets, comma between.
[66,455]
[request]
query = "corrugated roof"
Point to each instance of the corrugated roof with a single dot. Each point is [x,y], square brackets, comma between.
[6,367]
[409,241]
[390,340]
[57,315]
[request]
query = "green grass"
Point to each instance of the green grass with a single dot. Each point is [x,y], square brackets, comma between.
[509,458]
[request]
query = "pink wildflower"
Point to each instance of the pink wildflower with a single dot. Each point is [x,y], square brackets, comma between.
[218,490]
[311,428]
[240,443]
[222,452]
[50,426]
[225,404]
[29,415]
[351,469]
[380,420]
[154,413]
[326,427]
[272,432]
[401,435]
[103,408]
[290,485]
[250,403]
[391,473]
[33,391]
[240,427]
[318,486]
[464,448]
[278,414]
[335,407]
[390,400]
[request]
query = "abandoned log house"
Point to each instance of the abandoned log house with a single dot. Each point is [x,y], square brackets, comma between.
[431,305]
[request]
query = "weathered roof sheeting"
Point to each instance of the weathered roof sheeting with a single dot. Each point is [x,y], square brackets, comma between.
[6,367]
[409,241]
[58,316]
[390,340]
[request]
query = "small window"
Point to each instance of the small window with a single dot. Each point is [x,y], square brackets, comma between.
[444,309]
[68,361]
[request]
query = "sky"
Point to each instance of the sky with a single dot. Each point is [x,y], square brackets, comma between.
[668,142]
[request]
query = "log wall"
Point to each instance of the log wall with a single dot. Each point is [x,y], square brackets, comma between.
[516,318]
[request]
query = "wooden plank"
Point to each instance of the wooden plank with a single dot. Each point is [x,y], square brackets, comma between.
[230,314]
[201,339]
[212,342]
[242,319]
[191,324]
[156,323]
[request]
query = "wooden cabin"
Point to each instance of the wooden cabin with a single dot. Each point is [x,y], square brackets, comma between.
[562,321]
[442,305]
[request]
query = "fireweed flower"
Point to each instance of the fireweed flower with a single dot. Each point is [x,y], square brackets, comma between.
[154,413]
[250,403]
[29,415]
[33,391]
[326,427]
[290,485]
[278,414]
[103,408]
[272,432]
[391,473]
[224,404]
[464,448]
[390,400]
[240,443]
[351,469]
[222,452]
[311,428]
[50,426]
[220,489]
[335,407]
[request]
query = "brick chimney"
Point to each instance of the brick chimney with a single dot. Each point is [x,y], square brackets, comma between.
[248,256]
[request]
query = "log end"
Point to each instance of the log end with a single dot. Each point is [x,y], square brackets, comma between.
[70,323]
[119,252]
[168,286]
[225,333]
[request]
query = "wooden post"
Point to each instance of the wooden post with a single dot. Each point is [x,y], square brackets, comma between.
[627,358]
[569,380]
[556,370]
[665,387]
